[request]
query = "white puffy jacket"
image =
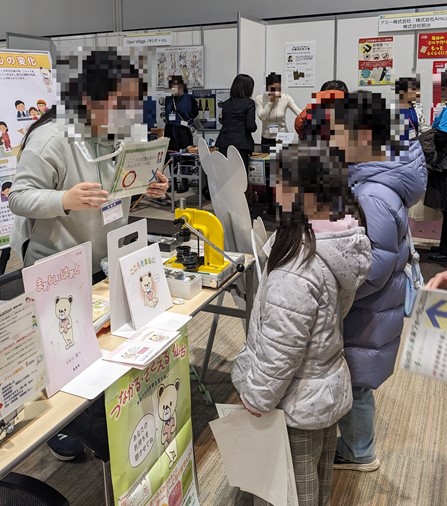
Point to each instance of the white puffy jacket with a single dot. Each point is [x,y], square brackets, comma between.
[293,358]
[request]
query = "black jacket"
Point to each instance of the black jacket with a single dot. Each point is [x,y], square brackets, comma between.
[238,122]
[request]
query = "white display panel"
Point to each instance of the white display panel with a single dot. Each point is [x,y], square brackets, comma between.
[251,57]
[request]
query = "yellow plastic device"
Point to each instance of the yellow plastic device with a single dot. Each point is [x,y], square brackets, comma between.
[209,226]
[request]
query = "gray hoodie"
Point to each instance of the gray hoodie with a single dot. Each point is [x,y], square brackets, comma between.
[293,356]
[48,166]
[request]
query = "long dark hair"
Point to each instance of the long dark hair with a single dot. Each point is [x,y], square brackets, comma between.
[310,169]
[242,86]
[47,117]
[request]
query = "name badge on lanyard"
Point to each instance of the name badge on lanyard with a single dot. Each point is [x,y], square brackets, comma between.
[112,211]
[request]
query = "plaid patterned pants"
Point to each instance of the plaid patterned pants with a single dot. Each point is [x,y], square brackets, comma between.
[313,454]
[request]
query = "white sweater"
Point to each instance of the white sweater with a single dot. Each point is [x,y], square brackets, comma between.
[49,166]
[274,113]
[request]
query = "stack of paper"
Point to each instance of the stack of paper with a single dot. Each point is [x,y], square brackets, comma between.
[150,341]
[256,453]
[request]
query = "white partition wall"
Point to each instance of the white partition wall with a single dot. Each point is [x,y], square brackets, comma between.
[251,56]
[320,31]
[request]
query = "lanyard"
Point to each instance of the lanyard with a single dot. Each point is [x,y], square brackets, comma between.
[88,157]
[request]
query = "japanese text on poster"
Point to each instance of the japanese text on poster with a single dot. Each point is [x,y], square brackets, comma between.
[375,65]
[300,64]
[26,91]
[22,366]
[150,432]
[432,45]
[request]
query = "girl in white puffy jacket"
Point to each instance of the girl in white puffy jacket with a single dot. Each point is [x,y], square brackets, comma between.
[293,357]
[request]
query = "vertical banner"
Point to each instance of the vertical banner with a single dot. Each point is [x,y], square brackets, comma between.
[27,90]
[375,66]
[439,67]
[150,432]
[300,64]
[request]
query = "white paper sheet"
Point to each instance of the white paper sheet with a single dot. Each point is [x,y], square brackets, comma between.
[256,454]
[95,379]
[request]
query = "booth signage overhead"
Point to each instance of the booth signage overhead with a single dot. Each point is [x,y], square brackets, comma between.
[413,21]
[148,39]
[432,45]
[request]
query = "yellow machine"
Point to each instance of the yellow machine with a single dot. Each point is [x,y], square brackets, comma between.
[210,230]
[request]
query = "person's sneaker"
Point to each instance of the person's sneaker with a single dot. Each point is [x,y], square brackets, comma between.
[65,447]
[340,463]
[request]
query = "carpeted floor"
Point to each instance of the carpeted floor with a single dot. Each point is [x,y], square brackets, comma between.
[410,431]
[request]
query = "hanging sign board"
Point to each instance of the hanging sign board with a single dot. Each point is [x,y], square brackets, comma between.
[413,21]
[148,39]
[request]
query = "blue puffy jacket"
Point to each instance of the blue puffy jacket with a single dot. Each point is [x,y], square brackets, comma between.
[373,326]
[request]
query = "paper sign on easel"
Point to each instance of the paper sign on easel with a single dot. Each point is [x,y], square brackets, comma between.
[120,317]
[63,298]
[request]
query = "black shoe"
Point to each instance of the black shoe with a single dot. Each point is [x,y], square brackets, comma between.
[343,464]
[206,193]
[183,189]
[65,447]
[438,257]
[435,249]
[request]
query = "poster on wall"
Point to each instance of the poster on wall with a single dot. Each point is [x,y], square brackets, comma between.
[375,66]
[432,45]
[27,90]
[439,67]
[210,107]
[150,432]
[300,64]
[207,117]
[180,61]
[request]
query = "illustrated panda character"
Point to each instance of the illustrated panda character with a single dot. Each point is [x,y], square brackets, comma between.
[167,404]
[147,285]
[63,313]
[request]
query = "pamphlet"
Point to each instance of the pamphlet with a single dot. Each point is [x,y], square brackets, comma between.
[63,297]
[137,167]
[425,336]
[22,365]
[144,346]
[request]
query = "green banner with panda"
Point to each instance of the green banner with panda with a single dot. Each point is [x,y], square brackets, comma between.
[150,432]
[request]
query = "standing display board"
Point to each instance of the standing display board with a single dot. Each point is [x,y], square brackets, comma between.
[150,432]
[375,61]
[300,64]
[432,45]
[180,61]
[27,90]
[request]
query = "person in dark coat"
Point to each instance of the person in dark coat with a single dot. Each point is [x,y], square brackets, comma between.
[435,148]
[387,179]
[180,110]
[238,119]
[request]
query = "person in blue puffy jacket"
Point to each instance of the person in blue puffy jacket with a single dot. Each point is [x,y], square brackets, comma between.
[387,179]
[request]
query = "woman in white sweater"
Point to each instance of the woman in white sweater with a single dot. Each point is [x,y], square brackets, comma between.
[271,108]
